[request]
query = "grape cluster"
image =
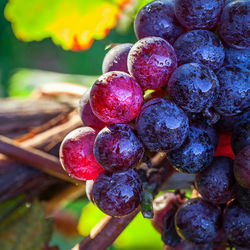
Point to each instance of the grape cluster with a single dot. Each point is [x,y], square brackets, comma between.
[193,56]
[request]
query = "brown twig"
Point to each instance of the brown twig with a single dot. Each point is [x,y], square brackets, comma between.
[60,88]
[33,157]
[54,134]
[109,228]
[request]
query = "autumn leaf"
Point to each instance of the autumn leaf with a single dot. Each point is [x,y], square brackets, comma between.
[71,24]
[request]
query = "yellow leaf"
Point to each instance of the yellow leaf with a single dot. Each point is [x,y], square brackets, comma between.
[71,24]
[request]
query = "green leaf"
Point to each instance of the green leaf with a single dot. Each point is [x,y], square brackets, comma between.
[26,228]
[71,24]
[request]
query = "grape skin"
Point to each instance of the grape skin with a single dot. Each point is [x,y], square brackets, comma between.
[193,87]
[198,221]
[237,56]
[243,196]
[86,114]
[209,129]
[200,46]
[236,222]
[151,61]
[234,93]
[161,125]
[117,194]
[197,14]
[227,123]
[195,154]
[242,167]
[116,97]
[76,154]
[116,58]
[117,148]
[241,135]
[234,25]
[216,182]
[158,19]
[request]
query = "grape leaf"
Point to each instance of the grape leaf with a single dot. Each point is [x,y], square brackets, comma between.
[71,24]
[25,228]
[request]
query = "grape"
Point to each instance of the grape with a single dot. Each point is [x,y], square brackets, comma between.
[85,112]
[161,205]
[198,221]
[195,154]
[116,58]
[210,130]
[89,190]
[116,97]
[170,236]
[216,182]
[193,87]
[234,24]
[117,194]
[234,94]
[242,167]
[237,224]
[151,62]
[76,154]
[243,197]
[161,125]
[117,148]
[157,19]
[197,14]
[237,56]
[227,123]
[200,46]
[241,135]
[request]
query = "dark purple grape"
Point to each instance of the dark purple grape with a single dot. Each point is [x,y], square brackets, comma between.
[242,167]
[169,234]
[89,189]
[157,19]
[198,221]
[151,61]
[117,148]
[234,93]
[216,182]
[237,224]
[86,113]
[197,14]
[241,135]
[234,24]
[193,87]
[200,46]
[243,197]
[227,123]
[195,154]
[162,125]
[116,58]
[117,194]
[237,56]
[209,129]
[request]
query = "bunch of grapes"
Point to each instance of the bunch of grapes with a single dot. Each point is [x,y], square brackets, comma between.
[193,56]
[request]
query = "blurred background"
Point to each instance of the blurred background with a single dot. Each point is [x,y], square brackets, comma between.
[43,41]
